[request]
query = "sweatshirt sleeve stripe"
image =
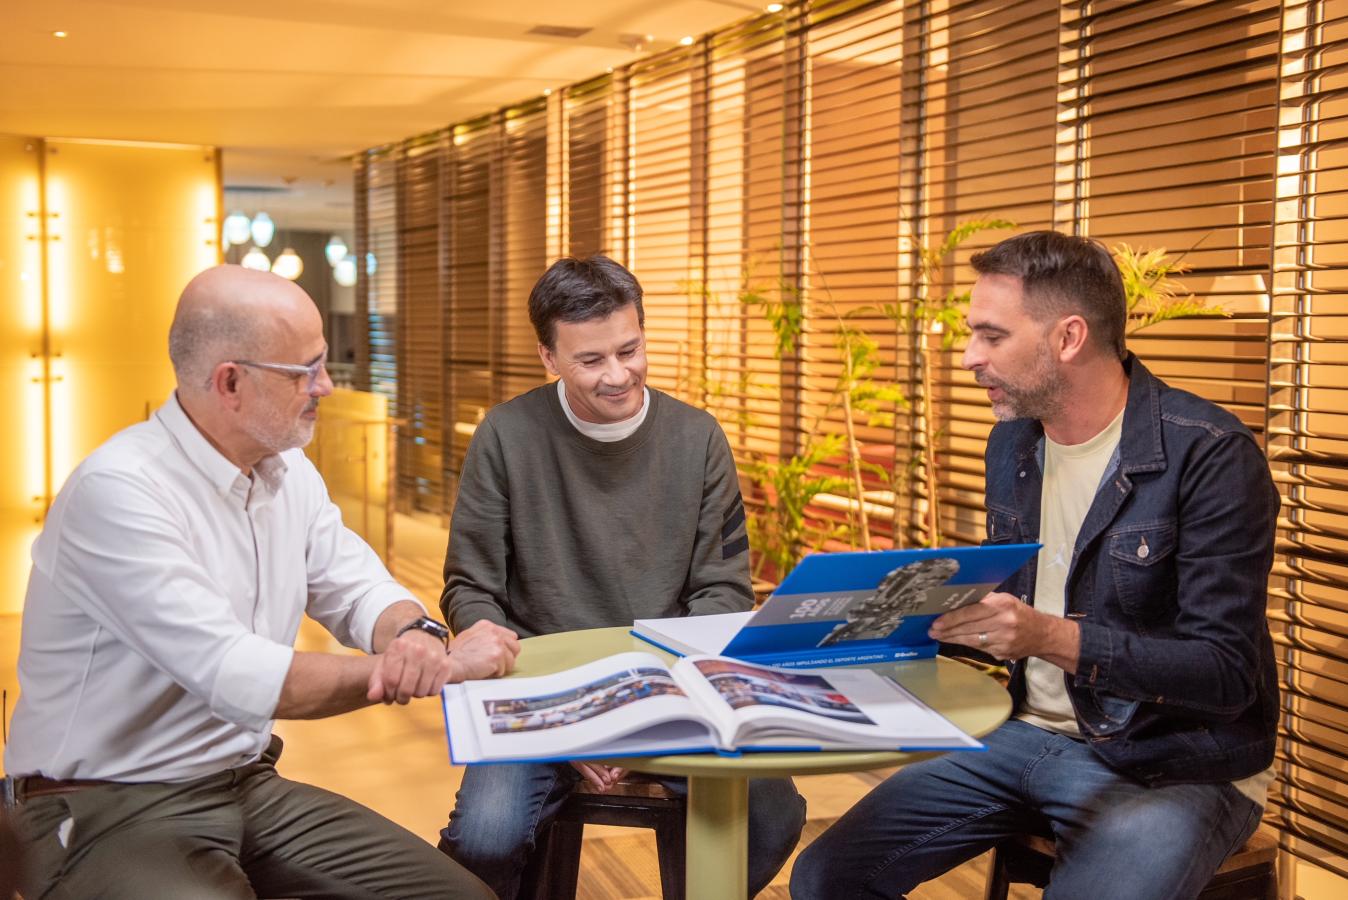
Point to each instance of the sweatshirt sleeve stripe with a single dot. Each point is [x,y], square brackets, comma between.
[734,519]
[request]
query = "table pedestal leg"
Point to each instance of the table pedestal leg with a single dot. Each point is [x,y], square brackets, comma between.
[718,838]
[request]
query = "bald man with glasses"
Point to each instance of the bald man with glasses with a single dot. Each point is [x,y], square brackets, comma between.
[165,595]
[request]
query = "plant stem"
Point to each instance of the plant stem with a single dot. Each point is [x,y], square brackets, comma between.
[929,440]
[854,458]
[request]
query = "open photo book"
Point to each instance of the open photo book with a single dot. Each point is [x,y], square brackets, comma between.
[841,609]
[633,704]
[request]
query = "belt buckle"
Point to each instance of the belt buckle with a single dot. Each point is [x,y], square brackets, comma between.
[9,793]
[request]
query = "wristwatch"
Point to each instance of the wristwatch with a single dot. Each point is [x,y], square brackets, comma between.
[428,625]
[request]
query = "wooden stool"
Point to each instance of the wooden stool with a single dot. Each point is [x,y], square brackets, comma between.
[635,802]
[1251,873]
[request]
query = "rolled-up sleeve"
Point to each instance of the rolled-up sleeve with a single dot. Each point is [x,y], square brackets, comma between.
[126,561]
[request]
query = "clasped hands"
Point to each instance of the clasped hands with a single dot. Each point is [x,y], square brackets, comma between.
[416,664]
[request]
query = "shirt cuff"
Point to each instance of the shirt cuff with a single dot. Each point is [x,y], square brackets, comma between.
[248,685]
[370,607]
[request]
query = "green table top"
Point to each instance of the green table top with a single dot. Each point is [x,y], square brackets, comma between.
[970,699]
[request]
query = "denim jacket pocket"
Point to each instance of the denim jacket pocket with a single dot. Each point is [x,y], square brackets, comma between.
[1142,563]
[1003,527]
[1104,714]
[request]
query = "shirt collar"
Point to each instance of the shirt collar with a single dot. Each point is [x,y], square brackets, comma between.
[609,432]
[223,475]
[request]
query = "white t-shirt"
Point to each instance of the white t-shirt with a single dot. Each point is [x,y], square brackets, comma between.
[1071,476]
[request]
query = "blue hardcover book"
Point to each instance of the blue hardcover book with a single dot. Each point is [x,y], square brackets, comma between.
[839,609]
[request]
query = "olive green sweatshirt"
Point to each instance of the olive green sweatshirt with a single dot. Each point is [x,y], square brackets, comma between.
[554,531]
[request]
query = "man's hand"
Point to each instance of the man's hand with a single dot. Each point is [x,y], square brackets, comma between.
[1003,627]
[601,777]
[414,664]
[484,650]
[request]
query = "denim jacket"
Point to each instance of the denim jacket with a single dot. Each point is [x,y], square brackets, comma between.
[1176,679]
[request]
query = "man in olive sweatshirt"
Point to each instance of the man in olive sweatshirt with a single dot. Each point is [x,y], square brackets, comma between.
[589,503]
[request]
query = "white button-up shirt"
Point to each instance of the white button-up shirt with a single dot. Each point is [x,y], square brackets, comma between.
[166,591]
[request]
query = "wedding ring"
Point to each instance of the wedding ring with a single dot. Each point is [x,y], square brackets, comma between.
[982,639]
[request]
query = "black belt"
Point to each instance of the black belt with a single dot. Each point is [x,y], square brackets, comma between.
[41,785]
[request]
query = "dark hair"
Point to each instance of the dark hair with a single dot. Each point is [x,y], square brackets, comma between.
[1062,274]
[578,289]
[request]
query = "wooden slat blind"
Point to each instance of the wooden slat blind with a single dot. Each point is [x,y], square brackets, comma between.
[1174,114]
[523,249]
[378,269]
[980,100]
[667,203]
[1308,432]
[852,131]
[589,130]
[749,230]
[470,224]
[420,332]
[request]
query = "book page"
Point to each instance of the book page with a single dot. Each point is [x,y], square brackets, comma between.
[822,707]
[568,713]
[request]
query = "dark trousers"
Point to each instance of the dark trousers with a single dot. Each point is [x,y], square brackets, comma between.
[244,832]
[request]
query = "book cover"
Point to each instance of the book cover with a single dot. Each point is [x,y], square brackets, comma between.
[837,609]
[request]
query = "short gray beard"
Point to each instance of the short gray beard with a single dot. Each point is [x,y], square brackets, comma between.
[276,435]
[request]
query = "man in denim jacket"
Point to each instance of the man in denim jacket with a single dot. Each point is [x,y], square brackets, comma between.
[1142,672]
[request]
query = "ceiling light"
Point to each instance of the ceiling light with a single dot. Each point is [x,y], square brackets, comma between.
[256,260]
[686,40]
[774,7]
[263,229]
[547,92]
[344,273]
[288,265]
[336,249]
[235,230]
[60,34]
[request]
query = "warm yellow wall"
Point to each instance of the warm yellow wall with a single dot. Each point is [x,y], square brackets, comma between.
[21,450]
[129,226]
[126,226]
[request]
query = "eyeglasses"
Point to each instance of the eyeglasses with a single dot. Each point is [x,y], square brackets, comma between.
[294,370]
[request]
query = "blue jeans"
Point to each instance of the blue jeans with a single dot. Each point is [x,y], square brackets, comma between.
[501,809]
[1117,838]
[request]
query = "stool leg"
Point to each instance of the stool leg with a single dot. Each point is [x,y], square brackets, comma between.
[998,884]
[563,866]
[669,847]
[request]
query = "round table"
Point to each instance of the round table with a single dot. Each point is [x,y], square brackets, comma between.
[718,800]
